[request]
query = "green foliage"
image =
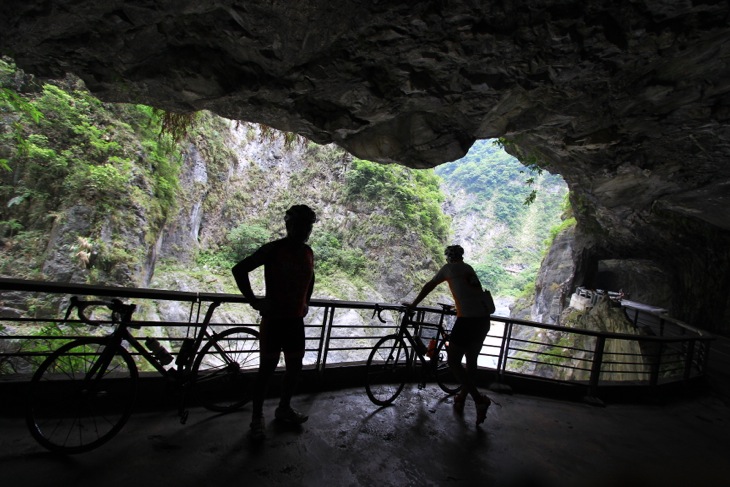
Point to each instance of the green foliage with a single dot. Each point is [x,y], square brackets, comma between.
[10,99]
[271,135]
[245,239]
[12,102]
[103,183]
[165,161]
[554,231]
[531,162]
[410,199]
[176,125]
[47,338]
[10,227]
[22,249]
[491,273]
[66,148]
[493,186]
[215,259]
[331,256]
[73,135]
[492,177]
[522,282]
[114,255]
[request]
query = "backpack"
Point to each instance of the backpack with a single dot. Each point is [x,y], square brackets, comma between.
[488,302]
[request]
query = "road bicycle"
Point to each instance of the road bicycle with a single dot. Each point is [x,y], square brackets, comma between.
[82,394]
[390,364]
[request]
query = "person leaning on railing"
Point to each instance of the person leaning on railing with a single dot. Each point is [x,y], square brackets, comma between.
[471,326]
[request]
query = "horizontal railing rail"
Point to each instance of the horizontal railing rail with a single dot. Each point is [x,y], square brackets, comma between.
[342,333]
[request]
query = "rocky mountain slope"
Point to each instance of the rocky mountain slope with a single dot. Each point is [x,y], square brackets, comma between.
[94,194]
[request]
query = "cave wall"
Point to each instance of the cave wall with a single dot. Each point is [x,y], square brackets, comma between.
[628,101]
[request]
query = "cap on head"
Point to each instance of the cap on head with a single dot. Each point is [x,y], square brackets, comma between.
[300,214]
[454,252]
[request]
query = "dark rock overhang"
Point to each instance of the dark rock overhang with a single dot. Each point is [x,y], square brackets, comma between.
[629,101]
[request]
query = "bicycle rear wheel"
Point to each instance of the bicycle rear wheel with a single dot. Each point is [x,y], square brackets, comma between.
[225,369]
[74,402]
[387,370]
[445,377]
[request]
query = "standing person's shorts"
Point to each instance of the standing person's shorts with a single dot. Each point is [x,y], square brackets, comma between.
[281,335]
[470,332]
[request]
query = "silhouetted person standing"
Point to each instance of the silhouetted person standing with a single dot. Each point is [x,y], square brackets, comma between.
[289,277]
[471,326]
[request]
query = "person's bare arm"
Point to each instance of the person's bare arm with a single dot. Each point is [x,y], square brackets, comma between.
[240,274]
[309,294]
[427,288]
[311,290]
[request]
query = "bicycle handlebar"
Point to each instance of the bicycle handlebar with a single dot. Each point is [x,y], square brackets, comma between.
[401,309]
[409,311]
[376,312]
[120,311]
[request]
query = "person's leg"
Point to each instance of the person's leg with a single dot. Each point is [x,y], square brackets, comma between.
[482,402]
[269,350]
[464,375]
[293,362]
[472,356]
[461,344]
[455,354]
[293,345]
[267,366]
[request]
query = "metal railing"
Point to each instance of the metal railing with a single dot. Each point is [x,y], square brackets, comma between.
[341,334]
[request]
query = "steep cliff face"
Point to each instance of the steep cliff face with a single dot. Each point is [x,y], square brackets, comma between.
[570,352]
[246,177]
[95,194]
[554,283]
[85,187]
[640,280]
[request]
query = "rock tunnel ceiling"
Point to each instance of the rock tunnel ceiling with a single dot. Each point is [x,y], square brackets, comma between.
[627,100]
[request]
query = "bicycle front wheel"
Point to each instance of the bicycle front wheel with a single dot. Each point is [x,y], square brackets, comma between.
[387,370]
[225,369]
[445,377]
[76,402]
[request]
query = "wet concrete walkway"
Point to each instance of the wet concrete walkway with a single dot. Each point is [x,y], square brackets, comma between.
[348,441]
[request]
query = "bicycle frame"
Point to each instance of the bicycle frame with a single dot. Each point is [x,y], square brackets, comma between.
[94,379]
[390,361]
[182,366]
[415,342]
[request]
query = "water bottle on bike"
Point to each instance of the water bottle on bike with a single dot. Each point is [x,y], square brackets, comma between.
[158,350]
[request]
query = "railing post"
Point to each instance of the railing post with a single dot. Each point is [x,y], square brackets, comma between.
[703,358]
[324,338]
[503,350]
[596,371]
[689,356]
[656,365]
